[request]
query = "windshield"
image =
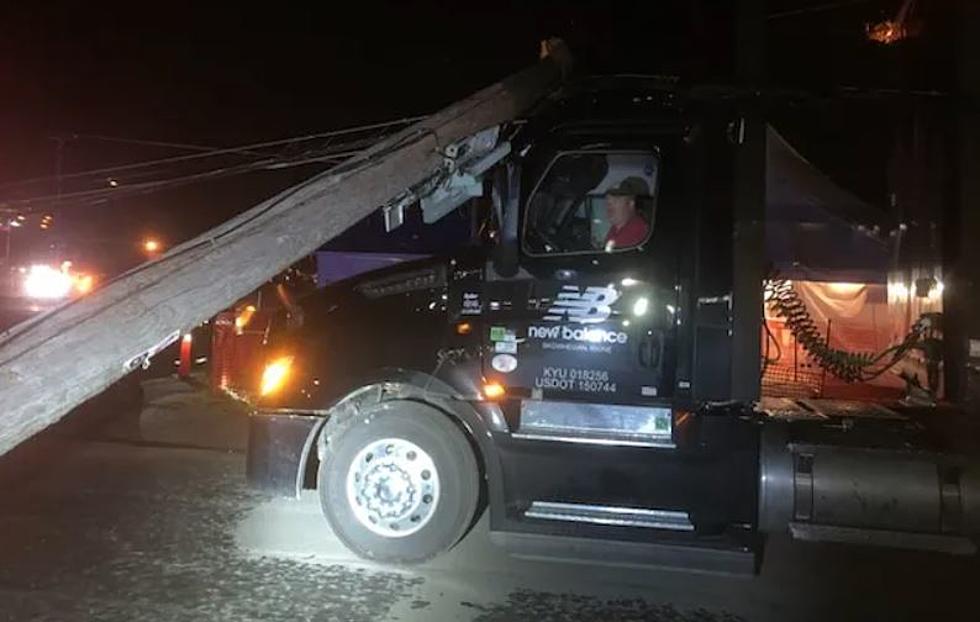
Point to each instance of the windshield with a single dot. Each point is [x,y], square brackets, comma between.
[589,202]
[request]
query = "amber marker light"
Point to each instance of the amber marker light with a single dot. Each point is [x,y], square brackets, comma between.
[275,374]
[493,390]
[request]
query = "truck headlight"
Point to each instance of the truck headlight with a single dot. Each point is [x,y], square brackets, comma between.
[275,374]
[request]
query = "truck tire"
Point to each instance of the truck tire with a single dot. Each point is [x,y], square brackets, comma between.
[399,483]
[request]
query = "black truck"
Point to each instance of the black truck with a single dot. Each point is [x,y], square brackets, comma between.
[573,372]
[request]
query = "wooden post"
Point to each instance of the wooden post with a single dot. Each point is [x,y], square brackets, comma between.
[52,363]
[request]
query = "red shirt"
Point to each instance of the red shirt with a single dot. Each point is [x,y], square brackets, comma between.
[631,234]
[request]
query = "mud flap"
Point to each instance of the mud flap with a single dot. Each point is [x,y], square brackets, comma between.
[278,447]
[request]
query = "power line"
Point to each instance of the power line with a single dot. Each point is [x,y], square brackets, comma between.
[217,152]
[331,155]
[815,9]
[154,143]
[88,197]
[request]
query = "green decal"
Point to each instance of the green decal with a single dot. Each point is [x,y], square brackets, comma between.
[498,333]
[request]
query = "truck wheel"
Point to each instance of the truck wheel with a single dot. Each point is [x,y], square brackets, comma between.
[399,482]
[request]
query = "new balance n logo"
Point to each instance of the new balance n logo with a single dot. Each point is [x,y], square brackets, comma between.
[587,307]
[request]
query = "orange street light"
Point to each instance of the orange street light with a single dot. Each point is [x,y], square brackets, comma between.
[151,246]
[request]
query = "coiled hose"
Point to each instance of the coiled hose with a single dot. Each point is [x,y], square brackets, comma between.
[783,300]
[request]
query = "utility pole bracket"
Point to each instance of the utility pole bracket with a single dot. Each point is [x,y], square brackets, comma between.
[460,179]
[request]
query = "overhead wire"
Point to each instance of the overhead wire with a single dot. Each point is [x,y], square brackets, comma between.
[245,152]
[815,9]
[331,152]
[86,197]
[151,143]
[213,153]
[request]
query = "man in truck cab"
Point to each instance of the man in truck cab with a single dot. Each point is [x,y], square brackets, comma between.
[627,227]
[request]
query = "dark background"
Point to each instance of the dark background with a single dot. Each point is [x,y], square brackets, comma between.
[226,74]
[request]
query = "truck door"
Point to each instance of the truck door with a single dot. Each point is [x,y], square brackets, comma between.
[592,314]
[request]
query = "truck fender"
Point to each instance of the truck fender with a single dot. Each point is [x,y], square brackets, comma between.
[405,384]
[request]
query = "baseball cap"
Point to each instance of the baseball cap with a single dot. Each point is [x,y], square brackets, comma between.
[631,186]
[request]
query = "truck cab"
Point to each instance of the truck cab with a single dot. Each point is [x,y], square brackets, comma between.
[571,373]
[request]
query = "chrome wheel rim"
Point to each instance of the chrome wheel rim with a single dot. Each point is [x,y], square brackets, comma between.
[393,487]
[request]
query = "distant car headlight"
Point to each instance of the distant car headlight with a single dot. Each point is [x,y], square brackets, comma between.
[275,374]
[47,283]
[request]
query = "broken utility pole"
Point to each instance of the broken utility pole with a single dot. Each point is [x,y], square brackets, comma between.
[55,362]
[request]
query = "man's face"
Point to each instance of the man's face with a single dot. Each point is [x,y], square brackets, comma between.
[619,209]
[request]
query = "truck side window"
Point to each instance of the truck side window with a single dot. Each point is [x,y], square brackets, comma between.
[592,202]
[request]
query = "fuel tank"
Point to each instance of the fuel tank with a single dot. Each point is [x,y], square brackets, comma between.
[829,488]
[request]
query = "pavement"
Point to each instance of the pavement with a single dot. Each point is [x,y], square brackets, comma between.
[147,516]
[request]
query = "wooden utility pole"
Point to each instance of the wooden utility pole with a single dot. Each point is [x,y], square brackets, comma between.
[55,362]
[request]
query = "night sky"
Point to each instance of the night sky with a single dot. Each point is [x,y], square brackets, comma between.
[227,74]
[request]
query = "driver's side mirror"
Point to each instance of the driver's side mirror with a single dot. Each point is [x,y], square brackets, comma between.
[506,194]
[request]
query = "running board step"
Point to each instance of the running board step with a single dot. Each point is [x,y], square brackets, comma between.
[708,558]
[608,515]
